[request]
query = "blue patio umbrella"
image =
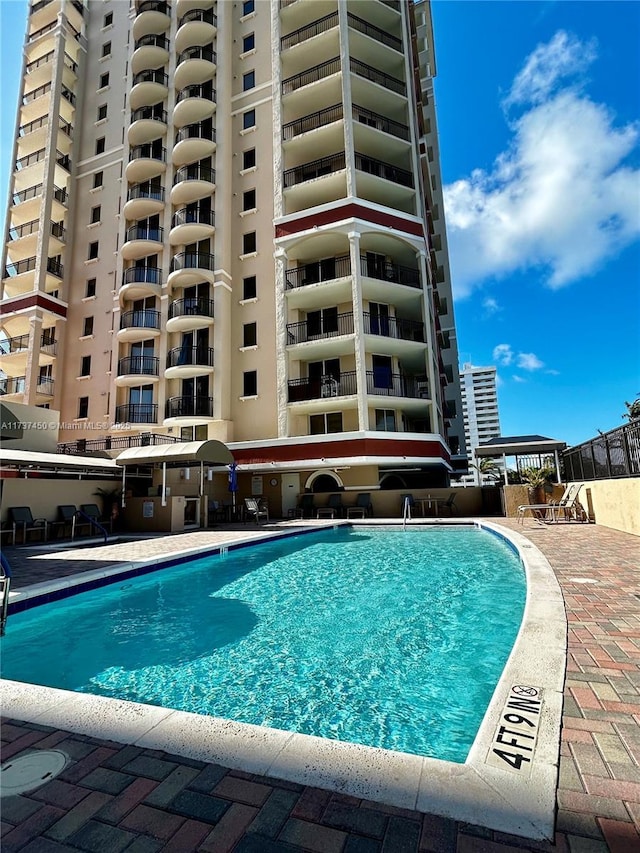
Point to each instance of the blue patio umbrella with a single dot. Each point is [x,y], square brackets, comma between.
[233,481]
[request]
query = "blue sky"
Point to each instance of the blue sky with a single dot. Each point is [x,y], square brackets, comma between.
[538,114]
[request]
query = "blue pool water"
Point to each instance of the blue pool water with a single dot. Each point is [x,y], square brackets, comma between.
[376,636]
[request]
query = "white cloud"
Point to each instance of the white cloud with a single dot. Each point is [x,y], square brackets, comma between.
[518,378]
[491,306]
[560,198]
[529,361]
[503,354]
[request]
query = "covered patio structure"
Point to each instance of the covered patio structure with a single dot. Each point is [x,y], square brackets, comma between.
[535,450]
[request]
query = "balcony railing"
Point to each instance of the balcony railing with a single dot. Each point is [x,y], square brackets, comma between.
[144,232]
[207,16]
[21,343]
[374,32]
[200,130]
[195,172]
[153,40]
[146,275]
[198,53]
[329,22]
[315,169]
[137,413]
[322,387]
[36,124]
[383,170]
[153,6]
[312,75]
[312,121]
[149,113]
[115,442]
[313,273]
[41,60]
[149,76]
[340,324]
[46,29]
[29,264]
[370,73]
[44,385]
[384,383]
[68,95]
[144,319]
[184,355]
[192,260]
[181,407]
[145,191]
[393,4]
[39,5]
[387,271]
[189,215]
[393,327]
[380,122]
[148,152]
[139,365]
[204,91]
[192,307]
[612,454]
[35,93]
[12,384]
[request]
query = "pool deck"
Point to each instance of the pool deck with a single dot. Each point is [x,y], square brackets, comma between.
[113,798]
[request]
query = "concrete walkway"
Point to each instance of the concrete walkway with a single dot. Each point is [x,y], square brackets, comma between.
[113,798]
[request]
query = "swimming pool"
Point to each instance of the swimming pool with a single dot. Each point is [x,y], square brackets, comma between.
[358,634]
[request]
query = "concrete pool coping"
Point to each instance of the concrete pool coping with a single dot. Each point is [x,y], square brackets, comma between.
[485,790]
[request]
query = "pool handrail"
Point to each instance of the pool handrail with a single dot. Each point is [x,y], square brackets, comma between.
[5,585]
[93,521]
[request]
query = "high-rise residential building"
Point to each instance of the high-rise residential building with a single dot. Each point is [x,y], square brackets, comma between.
[225,221]
[480,411]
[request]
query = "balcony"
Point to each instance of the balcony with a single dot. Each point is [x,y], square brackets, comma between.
[143,200]
[321,329]
[314,183]
[139,325]
[379,135]
[318,271]
[195,65]
[192,183]
[196,27]
[313,121]
[188,268]
[145,162]
[315,28]
[150,51]
[393,327]
[20,276]
[23,239]
[194,104]
[137,413]
[389,272]
[312,75]
[322,387]
[147,124]
[376,90]
[10,385]
[186,362]
[15,351]
[152,16]
[382,383]
[192,224]
[141,240]
[148,88]
[190,314]
[27,204]
[137,369]
[140,282]
[194,142]
[188,410]
[384,183]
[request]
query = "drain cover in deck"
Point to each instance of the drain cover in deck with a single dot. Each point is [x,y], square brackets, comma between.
[27,772]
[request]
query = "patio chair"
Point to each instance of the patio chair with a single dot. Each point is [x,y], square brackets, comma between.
[21,518]
[539,511]
[362,506]
[93,512]
[449,505]
[335,503]
[68,523]
[570,510]
[256,509]
[306,507]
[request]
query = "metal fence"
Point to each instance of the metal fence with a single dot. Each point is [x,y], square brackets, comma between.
[613,454]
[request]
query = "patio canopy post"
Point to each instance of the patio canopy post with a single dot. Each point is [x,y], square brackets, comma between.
[123,500]
[504,469]
[164,484]
[557,458]
[201,478]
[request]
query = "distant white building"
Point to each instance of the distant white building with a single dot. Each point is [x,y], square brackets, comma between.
[480,412]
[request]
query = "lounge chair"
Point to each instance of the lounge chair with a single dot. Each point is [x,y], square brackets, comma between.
[93,512]
[449,505]
[362,506]
[256,509]
[306,507]
[551,510]
[21,518]
[335,503]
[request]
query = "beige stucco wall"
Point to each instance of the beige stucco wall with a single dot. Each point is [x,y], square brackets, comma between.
[613,503]
[44,496]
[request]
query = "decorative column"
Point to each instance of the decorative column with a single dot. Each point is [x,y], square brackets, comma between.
[358,328]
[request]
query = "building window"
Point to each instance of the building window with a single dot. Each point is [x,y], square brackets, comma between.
[249,243]
[248,81]
[248,42]
[95,215]
[91,288]
[249,158]
[102,112]
[104,80]
[325,423]
[248,119]
[100,145]
[385,420]
[249,289]
[85,366]
[88,326]
[83,407]
[97,180]
[248,7]
[93,250]
[250,383]
[106,49]
[249,335]
[249,200]
[108,19]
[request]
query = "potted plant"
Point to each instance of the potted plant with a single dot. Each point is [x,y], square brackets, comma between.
[110,504]
[539,482]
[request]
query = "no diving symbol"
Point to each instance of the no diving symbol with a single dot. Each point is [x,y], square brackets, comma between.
[521,690]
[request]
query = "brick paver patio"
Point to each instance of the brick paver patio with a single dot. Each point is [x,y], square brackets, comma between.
[114,798]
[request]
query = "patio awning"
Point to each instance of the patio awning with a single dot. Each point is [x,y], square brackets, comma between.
[182,453]
[519,445]
[62,463]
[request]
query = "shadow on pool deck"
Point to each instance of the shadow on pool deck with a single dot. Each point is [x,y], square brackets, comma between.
[113,797]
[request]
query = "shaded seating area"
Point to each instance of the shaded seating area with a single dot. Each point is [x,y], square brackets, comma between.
[334,507]
[22,520]
[68,524]
[568,508]
[362,507]
[256,509]
[94,516]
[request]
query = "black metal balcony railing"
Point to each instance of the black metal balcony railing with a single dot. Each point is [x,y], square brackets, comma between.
[68,95]
[207,16]
[380,122]
[195,172]
[149,113]
[192,260]
[36,124]
[55,268]
[393,327]
[315,169]
[36,191]
[77,4]
[152,40]
[387,271]
[384,383]
[322,387]
[139,275]
[41,60]
[66,127]
[139,365]
[198,53]
[17,344]
[71,64]
[184,407]
[383,170]
[44,385]
[40,5]
[379,77]
[197,356]
[145,191]
[190,215]
[150,76]
[329,22]
[19,267]
[46,29]
[615,453]
[144,232]
[35,93]
[311,75]
[323,327]
[193,307]
[204,91]
[200,130]
[148,152]
[153,6]
[12,384]
[116,442]
[313,273]
[393,4]
[137,413]
[144,319]
[312,121]
[374,32]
